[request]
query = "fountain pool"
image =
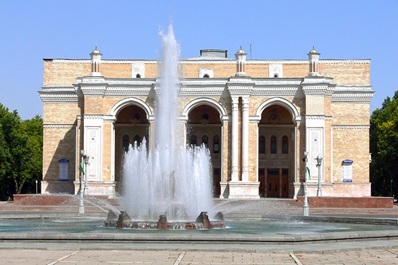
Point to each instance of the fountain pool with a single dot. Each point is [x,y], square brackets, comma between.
[257,227]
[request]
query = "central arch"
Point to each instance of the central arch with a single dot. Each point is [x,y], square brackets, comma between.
[131,124]
[204,119]
[276,147]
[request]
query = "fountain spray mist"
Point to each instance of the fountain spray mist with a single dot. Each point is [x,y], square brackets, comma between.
[170,179]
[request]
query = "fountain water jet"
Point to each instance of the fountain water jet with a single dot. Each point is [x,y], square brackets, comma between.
[171,179]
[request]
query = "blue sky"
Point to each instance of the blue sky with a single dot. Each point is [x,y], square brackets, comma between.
[33,30]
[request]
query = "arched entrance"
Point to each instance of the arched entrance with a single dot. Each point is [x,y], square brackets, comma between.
[204,127]
[276,151]
[131,127]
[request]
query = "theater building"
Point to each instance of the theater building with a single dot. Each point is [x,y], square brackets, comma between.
[268,124]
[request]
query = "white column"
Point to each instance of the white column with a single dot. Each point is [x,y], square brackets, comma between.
[235,131]
[151,133]
[296,155]
[245,138]
[113,144]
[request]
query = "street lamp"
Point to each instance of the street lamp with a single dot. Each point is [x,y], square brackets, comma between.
[318,164]
[83,178]
[306,207]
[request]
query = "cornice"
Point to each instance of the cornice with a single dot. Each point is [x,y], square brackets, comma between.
[352,97]
[127,91]
[342,61]
[58,126]
[93,117]
[198,60]
[238,86]
[201,91]
[58,94]
[275,91]
[351,127]
[317,117]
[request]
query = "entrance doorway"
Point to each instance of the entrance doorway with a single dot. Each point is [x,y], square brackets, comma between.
[275,151]
[274,184]
[204,127]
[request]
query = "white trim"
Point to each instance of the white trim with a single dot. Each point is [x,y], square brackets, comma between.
[204,101]
[131,101]
[59,126]
[199,60]
[281,102]
[351,127]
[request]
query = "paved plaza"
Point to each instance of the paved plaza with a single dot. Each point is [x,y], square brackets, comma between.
[46,256]
[320,249]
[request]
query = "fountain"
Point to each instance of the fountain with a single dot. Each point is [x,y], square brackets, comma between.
[170,182]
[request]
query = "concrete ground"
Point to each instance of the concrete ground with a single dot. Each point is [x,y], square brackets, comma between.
[359,248]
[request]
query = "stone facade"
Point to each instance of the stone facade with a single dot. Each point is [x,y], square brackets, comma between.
[257,117]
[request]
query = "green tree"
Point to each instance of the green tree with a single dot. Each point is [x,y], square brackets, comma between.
[20,152]
[384,148]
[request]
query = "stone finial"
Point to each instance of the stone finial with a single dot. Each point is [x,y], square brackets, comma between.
[96,57]
[240,56]
[313,57]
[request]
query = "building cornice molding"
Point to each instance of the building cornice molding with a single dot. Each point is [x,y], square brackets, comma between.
[201,91]
[202,87]
[352,97]
[316,117]
[352,94]
[213,61]
[127,91]
[58,94]
[318,85]
[239,86]
[59,126]
[94,116]
[351,127]
[274,91]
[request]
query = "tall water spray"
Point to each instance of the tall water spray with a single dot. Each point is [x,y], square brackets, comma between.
[170,179]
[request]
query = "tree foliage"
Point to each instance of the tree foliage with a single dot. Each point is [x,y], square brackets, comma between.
[20,152]
[384,148]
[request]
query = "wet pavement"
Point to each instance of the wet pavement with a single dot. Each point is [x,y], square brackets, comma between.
[377,249]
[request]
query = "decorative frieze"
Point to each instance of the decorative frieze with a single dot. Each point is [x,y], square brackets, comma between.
[352,97]
[274,91]
[93,117]
[201,91]
[127,91]
[58,126]
[351,127]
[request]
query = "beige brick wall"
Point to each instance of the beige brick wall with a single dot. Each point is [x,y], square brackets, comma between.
[64,73]
[93,104]
[57,113]
[151,70]
[114,70]
[353,144]
[253,153]
[295,70]
[219,70]
[59,143]
[226,152]
[344,72]
[348,74]
[350,113]
[257,70]
[107,151]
